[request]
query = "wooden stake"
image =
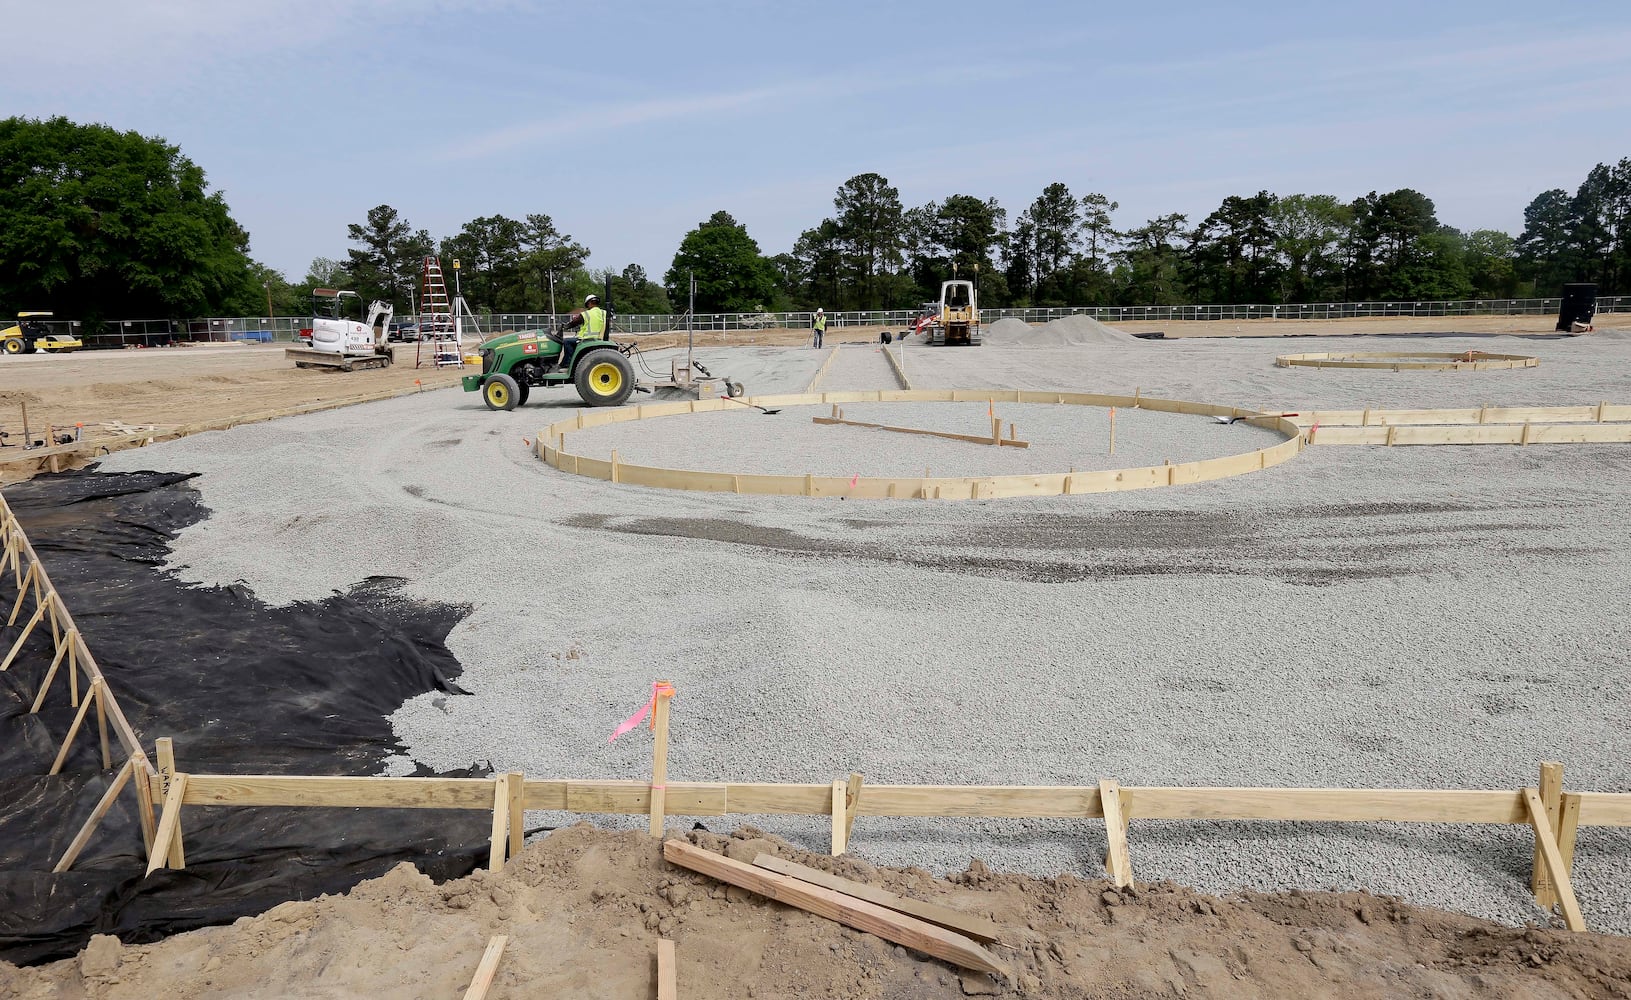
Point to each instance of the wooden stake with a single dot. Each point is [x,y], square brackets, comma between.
[501,824]
[83,837]
[164,749]
[659,755]
[22,592]
[1115,829]
[167,842]
[73,730]
[1553,857]
[144,804]
[668,979]
[1568,825]
[839,792]
[852,801]
[996,430]
[50,675]
[99,689]
[1112,430]
[848,910]
[516,786]
[1551,794]
[617,476]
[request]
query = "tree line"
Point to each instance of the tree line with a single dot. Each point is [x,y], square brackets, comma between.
[99,223]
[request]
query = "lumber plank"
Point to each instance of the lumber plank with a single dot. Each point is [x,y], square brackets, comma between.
[167,842]
[1553,856]
[22,637]
[103,804]
[852,795]
[663,693]
[993,438]
[935,913]
[1551,793]
[1330,804]
[515,791]
[1605,808]
[500,840]
[73,730]
[331,790]
[1568,827]
[840,792]
[1115,829]
[668,977]
[164,749]
[487,968]
[50,675]
[900,928]
[995,801]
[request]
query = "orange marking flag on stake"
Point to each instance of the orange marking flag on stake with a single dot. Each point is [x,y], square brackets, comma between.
[658,690]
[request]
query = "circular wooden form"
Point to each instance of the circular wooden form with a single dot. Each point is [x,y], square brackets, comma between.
[1477,361]
[551,447]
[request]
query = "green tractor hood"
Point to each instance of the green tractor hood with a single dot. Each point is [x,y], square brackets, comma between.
[507,339]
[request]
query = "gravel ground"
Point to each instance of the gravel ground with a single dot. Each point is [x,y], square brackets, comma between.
[1061,438]
[1370,617]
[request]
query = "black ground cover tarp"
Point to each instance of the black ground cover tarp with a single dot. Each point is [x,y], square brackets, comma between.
[241,688]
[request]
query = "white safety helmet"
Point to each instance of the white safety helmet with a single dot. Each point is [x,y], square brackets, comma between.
[821,312]
[592,298]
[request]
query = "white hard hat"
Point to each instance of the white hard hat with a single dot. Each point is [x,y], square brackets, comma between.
[819,310]
[592,298]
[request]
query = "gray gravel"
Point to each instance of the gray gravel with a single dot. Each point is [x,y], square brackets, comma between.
[1060,438]
[1430,617]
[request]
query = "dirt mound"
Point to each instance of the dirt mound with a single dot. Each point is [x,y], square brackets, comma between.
[1066,331]
[583,909]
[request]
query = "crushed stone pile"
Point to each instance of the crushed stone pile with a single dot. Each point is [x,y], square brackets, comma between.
[583,909]
[1066,331]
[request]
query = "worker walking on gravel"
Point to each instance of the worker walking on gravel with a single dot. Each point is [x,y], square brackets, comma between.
[819,325]
[590,322]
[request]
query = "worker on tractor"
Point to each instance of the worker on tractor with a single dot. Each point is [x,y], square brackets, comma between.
[819,325]
[590,322]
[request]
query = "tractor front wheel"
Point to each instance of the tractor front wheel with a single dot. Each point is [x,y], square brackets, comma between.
[604,378]
[500,393]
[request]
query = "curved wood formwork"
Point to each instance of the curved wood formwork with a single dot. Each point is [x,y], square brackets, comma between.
[550,446]
[1476,361]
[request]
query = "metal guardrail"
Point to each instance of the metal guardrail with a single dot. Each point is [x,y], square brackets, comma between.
[157,332]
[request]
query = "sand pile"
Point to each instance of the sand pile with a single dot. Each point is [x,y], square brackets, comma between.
[1066,331]
[583,910]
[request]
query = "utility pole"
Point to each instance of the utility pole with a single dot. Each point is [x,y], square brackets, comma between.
[267,284]
[552,295]
[690,321]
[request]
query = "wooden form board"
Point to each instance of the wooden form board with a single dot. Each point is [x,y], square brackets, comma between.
[1408,360]
[987,801]
[1471,434]
[820,373]
[555,454]
[895,365]
[1591,413]
[851,911]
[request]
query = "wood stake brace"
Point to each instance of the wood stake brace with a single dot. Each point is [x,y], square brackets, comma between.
[659,755]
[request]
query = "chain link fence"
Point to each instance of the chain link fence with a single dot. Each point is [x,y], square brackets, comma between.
[159,332]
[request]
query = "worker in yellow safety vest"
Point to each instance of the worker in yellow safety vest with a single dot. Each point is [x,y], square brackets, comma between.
[819,325]
[590,324]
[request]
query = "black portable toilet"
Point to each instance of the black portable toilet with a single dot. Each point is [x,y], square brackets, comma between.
[1579,306]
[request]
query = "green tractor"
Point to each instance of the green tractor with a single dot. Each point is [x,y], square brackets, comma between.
[514,364]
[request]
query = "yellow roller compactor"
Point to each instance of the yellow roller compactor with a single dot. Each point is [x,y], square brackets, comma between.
[30,335]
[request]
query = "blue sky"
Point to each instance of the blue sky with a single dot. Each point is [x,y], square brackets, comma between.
[629,123]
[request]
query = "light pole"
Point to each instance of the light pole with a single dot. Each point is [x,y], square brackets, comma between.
[270,315]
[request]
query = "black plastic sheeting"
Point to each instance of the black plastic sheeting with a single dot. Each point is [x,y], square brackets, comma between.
[241,688]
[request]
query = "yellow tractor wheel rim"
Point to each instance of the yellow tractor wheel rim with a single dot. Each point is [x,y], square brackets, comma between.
[606,379]
[497,393]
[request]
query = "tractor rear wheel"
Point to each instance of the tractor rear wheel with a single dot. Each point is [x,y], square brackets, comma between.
[604,378]
[500,393]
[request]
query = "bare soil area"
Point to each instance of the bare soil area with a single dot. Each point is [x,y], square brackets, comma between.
[583,910]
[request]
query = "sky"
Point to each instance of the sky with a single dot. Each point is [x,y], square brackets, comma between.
[630,123]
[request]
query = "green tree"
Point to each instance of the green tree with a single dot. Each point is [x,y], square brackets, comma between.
[1056,220]
[488,250]
[1388,243]
[547,251]
[869,218]
[731,274]
[97,223]
[1600,216]
[635,294]
[1546,254]
[390,260]
[1309,232]
[1101,238]
[1232,253]
[819,256]
[1491,264]
[1149,270]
